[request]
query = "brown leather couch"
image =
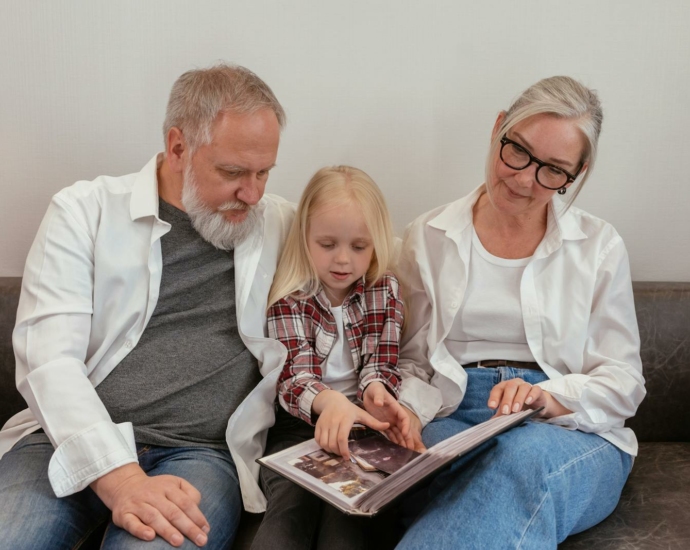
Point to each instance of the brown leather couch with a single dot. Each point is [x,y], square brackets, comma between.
[654,510]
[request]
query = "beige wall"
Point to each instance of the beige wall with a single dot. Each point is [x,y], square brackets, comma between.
[408,91]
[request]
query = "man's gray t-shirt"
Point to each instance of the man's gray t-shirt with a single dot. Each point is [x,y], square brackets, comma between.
[190,369]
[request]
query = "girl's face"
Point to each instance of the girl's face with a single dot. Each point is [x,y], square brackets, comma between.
[341,248]
[553,140]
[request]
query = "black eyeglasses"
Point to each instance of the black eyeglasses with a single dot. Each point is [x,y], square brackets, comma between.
[515,156]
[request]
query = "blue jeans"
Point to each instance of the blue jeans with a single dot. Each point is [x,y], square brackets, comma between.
[528,488]
[32,517]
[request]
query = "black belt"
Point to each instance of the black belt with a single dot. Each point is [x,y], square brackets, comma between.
[531,365]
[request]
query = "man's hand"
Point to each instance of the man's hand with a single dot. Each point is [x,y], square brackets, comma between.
[146,506]
[513,395]
[384,407]
[337,414]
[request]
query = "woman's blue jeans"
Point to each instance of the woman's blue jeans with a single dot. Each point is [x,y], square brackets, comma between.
[32,517]
[528,488]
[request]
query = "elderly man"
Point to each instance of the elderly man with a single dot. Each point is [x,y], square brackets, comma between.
[140,331]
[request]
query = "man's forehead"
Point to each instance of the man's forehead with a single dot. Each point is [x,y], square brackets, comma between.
[246,140]
[259,124]
[231,151]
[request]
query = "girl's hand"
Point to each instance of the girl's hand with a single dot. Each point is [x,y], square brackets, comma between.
[514,395]
[337,414]
[383,406]
[415,432]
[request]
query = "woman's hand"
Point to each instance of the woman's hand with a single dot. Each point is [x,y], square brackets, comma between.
[337,414]
[384,407]
[514,395]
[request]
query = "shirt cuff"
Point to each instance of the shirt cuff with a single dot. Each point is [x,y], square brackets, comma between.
[570,392]
[421,398]
[306,400]
[89,455]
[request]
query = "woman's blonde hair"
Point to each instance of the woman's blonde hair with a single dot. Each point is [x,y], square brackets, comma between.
[562,97]
[332,187]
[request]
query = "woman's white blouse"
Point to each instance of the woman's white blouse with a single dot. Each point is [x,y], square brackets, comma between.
[577,308]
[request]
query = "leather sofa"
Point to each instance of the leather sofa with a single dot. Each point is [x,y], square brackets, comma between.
[654,510]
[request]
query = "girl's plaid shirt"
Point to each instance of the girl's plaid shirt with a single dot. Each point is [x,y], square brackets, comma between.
[373,319]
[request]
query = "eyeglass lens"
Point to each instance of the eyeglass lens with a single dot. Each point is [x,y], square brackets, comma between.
[518,159]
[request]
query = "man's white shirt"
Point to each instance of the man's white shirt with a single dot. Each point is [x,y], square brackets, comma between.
[90,286]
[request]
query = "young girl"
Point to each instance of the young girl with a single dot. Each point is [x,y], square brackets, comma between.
[336,306]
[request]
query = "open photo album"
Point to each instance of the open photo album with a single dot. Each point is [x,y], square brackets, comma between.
[379,470]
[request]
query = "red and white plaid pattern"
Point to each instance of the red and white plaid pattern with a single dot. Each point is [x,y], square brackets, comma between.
[373,320]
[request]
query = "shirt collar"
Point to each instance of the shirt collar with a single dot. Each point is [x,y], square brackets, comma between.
[561,224]
[144,199]
[356,293]
[457,217]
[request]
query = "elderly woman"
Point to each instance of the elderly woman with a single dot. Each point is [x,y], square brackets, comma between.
[518,300]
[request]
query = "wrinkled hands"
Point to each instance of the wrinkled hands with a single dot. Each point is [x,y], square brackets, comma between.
[511,396]
[146,506]
[384,407]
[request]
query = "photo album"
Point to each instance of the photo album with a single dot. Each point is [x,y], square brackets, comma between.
[379,470]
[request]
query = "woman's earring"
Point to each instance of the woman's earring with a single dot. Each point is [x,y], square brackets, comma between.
[562,191]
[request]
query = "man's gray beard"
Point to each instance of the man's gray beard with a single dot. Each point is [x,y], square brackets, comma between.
[212,226]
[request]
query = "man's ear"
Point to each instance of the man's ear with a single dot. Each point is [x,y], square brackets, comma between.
[176,147]
[497,125]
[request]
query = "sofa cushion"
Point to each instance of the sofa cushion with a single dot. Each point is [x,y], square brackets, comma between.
[663,314]
[11,401]
[654,508]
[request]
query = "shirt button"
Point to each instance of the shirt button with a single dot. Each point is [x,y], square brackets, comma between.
[454,305]
[128,344]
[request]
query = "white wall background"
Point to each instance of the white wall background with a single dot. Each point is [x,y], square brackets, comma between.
[406,90]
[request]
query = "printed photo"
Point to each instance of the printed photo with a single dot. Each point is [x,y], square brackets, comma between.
[340,474]
[381,454]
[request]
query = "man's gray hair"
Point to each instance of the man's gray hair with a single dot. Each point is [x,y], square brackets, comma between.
[199,96]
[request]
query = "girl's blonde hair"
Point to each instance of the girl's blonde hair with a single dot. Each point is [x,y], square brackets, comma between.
[332,187]
[562,97]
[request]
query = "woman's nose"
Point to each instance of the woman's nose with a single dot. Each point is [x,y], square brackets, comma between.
[527,176]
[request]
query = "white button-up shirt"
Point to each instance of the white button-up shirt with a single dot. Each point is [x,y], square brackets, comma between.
[577,308]
[90,286]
